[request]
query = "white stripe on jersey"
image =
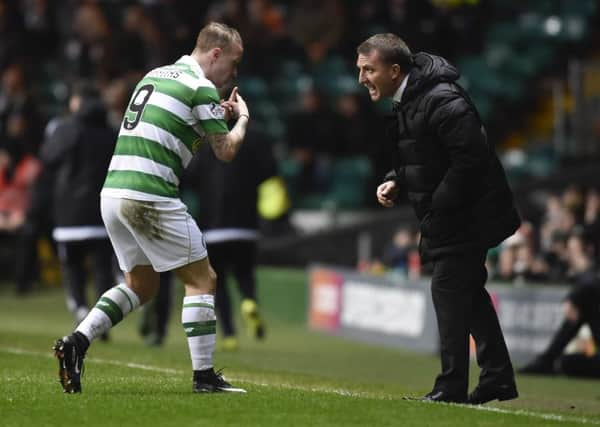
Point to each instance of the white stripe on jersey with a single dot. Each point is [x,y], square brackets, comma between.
[161,136]
[141,164]
[195,82]
[172,105]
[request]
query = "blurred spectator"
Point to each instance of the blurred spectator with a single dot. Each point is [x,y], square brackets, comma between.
[266,24]
[528,266]
[506,258]
[356,135]
[396,254]
[90,50]
[551,221]
[353,132]
[268,32]
[312,138]
[20,130]
[19,140]
[591,220]
[38,20]
[317,26]
[580,258]
[573,201]
[231,12]
[12,33]
[78,154]
[556,257]
[116,96]
[37,223]
[17,174]
[522,257]
[143,45]
[263,27]
[518,259]
[580,307]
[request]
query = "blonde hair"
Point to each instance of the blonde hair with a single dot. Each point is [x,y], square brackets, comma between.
[218,35]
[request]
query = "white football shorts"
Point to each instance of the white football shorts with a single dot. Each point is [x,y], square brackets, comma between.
[162,234]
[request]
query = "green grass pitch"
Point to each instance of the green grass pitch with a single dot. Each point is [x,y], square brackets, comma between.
[295,378]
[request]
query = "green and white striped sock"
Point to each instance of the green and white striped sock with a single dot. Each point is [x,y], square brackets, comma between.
[110,309]
[200,325]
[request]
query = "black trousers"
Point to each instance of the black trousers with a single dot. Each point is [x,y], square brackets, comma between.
[73,258]
[237,257]
[463,306]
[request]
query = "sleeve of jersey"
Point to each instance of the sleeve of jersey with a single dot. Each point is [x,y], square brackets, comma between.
[208,111]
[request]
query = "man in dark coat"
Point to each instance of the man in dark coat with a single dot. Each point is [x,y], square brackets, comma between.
[75,159]
[460,195]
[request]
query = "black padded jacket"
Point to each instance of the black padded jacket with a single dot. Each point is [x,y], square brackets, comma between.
[453,178]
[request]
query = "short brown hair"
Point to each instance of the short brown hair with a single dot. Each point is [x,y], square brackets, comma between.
[219,35]
[392,49]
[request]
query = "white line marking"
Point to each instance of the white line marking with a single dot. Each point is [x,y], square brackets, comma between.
[341,392]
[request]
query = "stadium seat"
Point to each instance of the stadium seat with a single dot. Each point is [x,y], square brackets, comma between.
[325,74]
[350,177]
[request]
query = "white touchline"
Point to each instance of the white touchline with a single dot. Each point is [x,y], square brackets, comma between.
[341,392]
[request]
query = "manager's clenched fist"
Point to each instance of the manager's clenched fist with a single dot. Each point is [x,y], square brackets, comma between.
[386,193]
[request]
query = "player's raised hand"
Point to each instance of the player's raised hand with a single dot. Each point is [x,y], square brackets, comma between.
[235,106]
[233,95]
[242,107]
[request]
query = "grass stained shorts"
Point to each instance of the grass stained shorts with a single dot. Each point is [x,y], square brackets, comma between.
[158,233]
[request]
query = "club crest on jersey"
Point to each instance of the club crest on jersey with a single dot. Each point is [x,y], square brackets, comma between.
[217,111]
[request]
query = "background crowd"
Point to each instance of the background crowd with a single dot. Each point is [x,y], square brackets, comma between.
[299,76]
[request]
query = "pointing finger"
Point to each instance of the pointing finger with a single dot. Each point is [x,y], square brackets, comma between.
[233,96]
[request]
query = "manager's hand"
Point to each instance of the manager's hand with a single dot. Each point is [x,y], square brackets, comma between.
[386,193]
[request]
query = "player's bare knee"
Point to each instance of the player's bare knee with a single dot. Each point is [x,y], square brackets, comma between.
[200,288]
[198,277]
[144,282]
[144,292]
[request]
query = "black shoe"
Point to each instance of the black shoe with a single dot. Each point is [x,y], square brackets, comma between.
[209,381]
[485,394]
[538,366]
[438,396]
[70,364]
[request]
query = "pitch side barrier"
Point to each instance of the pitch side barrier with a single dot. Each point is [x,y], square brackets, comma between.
[398,312]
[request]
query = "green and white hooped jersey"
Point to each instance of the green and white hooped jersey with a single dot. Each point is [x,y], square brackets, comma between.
[171,109]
